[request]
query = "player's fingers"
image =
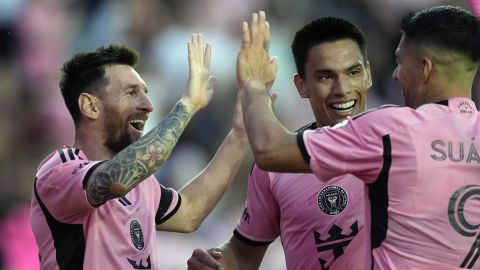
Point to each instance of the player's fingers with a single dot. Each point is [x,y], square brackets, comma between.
[262,24]
[261,18]
[193,45]
[267,35]
[246,40]
[274,64]
[274,96]
[204,258]
[201,47]
[215,253]
[254,28]
[190,52]
[208,55]
[194,41]
[212,83]
[195,264]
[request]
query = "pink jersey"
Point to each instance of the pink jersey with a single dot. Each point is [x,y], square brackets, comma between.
[322,226]
[71,234]
[422,168]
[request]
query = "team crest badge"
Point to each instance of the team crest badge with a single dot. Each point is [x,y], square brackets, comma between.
[332,200]
[136,234]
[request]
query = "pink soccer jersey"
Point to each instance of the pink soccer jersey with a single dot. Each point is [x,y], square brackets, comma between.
[322,226]
[422,168]
[71,234]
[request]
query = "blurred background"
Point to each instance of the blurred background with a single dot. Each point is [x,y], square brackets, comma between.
[37,36]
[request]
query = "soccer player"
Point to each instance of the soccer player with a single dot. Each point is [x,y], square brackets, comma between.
[421,162]
[322,226]
[96,205]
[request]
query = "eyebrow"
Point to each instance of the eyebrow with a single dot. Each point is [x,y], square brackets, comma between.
[131,85]
[355,66]
[323,71]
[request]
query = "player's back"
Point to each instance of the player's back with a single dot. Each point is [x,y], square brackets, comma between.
[429,214]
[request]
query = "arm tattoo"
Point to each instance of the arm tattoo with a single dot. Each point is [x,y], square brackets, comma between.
[141,159]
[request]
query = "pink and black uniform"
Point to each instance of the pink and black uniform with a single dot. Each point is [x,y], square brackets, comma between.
[422,168]
[322,226]
[71,234]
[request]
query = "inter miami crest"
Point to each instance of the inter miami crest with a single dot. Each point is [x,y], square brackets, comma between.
[136,234]
[461,223]
[332,200]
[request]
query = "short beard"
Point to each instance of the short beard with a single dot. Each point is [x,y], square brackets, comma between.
[115,146]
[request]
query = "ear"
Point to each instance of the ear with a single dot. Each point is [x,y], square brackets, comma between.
[369,74]
[300,85]
[88,105]
[426,69]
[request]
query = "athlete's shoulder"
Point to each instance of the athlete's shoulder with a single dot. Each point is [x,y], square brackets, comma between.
[310,126]
[386,118]
[382,110]
[57,158]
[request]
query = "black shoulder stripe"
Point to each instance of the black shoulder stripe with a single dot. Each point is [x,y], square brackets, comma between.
[77,151]
[62,155]
[250,242]
[303,148]
[375,109]
[70,153]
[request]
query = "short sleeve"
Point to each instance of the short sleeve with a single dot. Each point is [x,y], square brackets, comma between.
[259,224]
[356,147]
[170,201]
[60,189]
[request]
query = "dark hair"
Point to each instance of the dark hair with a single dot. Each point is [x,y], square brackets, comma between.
[84,73]
[444,27]
[327,29]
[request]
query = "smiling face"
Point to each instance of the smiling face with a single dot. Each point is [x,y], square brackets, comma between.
[124,107]
[336,81]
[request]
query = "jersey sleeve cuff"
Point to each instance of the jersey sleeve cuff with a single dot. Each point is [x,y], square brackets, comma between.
[303,148]
[244,239]
[160,217]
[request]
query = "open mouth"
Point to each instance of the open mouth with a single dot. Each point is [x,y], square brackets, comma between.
[344,106]
[137,124]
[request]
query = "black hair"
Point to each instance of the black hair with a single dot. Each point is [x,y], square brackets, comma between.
[326,29]
[444,27]
[84,73]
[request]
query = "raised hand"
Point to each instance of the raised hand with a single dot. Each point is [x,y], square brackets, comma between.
[200,83]
[254,65]
[202,259]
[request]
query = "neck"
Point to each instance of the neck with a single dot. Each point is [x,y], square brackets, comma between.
[452,76]
[443,90]
[92,144]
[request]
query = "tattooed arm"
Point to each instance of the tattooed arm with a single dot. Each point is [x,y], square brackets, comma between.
[116,177]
